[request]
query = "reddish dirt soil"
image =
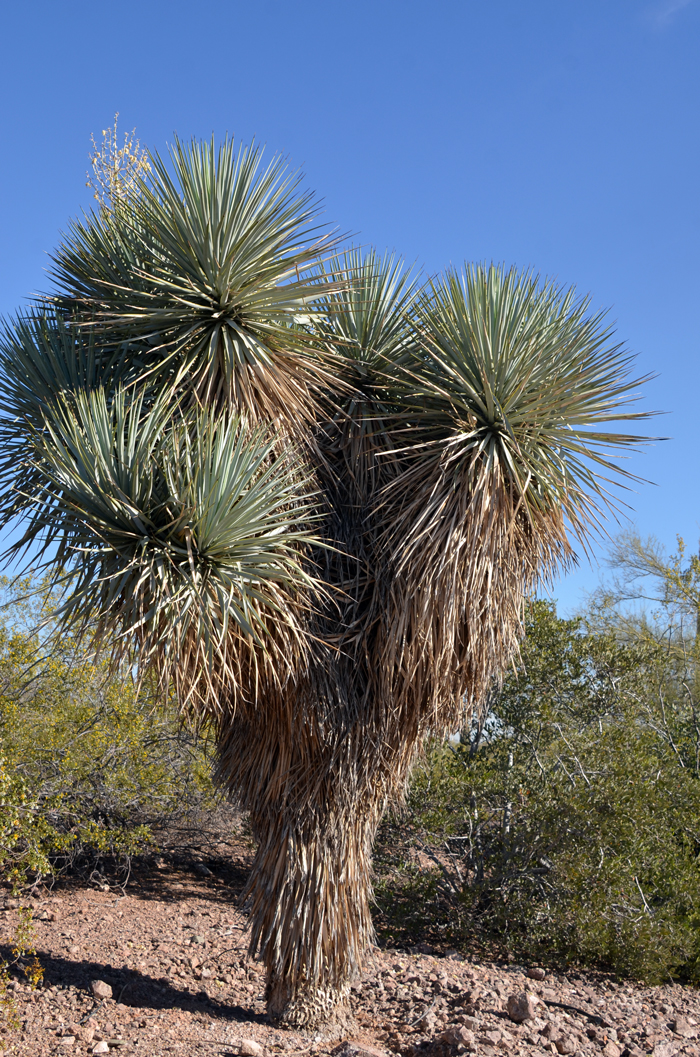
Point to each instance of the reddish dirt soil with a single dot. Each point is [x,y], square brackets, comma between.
[171,945]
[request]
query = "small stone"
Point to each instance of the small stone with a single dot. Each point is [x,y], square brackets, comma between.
[460,1036]
[492,1037]
[469,1022]
[101,1047]
[535,973]
[74,950]
[566,1044]
[611,1049]
[67,1041]
[521,1007]
[352,1048]
[206,973]
[251,1048]
[683,1028]
[552,1033]
[664,1049]
[101,990]
[202,870]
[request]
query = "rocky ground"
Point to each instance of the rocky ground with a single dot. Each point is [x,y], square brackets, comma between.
[159,966]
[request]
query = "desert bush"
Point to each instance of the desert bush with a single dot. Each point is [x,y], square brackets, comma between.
[567,826]
[97,761]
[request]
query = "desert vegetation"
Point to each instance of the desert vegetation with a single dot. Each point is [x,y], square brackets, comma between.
[563,828]
[300,500]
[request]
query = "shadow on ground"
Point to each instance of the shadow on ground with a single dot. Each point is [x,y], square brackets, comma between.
[134,988]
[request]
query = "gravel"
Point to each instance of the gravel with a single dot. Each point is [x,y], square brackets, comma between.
[162,968]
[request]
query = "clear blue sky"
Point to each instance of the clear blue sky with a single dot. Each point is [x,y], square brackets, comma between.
[558,134]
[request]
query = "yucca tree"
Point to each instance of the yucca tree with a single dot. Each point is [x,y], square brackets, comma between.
[310,494]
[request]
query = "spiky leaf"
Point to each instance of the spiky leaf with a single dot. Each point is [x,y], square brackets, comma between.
[206,268]
[181,537]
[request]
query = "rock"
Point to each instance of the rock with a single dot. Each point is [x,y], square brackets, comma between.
[611,1049]
[67,1041]
[566,1044]
[469,1022]
[101,990]
[101,1047]
[683,1028]
[535,973]
[202,870]
[74,950]
[521,1007]
[458,1035]
[551,1032]
[427,1023]
[664,1049]
[251,1048]
[206,973]
[491,1038]
[86,1034]
[357,1049]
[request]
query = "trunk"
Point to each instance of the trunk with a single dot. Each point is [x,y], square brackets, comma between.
[310,916]
[316,788]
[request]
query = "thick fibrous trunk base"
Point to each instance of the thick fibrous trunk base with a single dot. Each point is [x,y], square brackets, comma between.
[311,1009]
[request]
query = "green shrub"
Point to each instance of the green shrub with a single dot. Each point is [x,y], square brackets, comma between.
[21,852]
[99,763]
[567,829]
